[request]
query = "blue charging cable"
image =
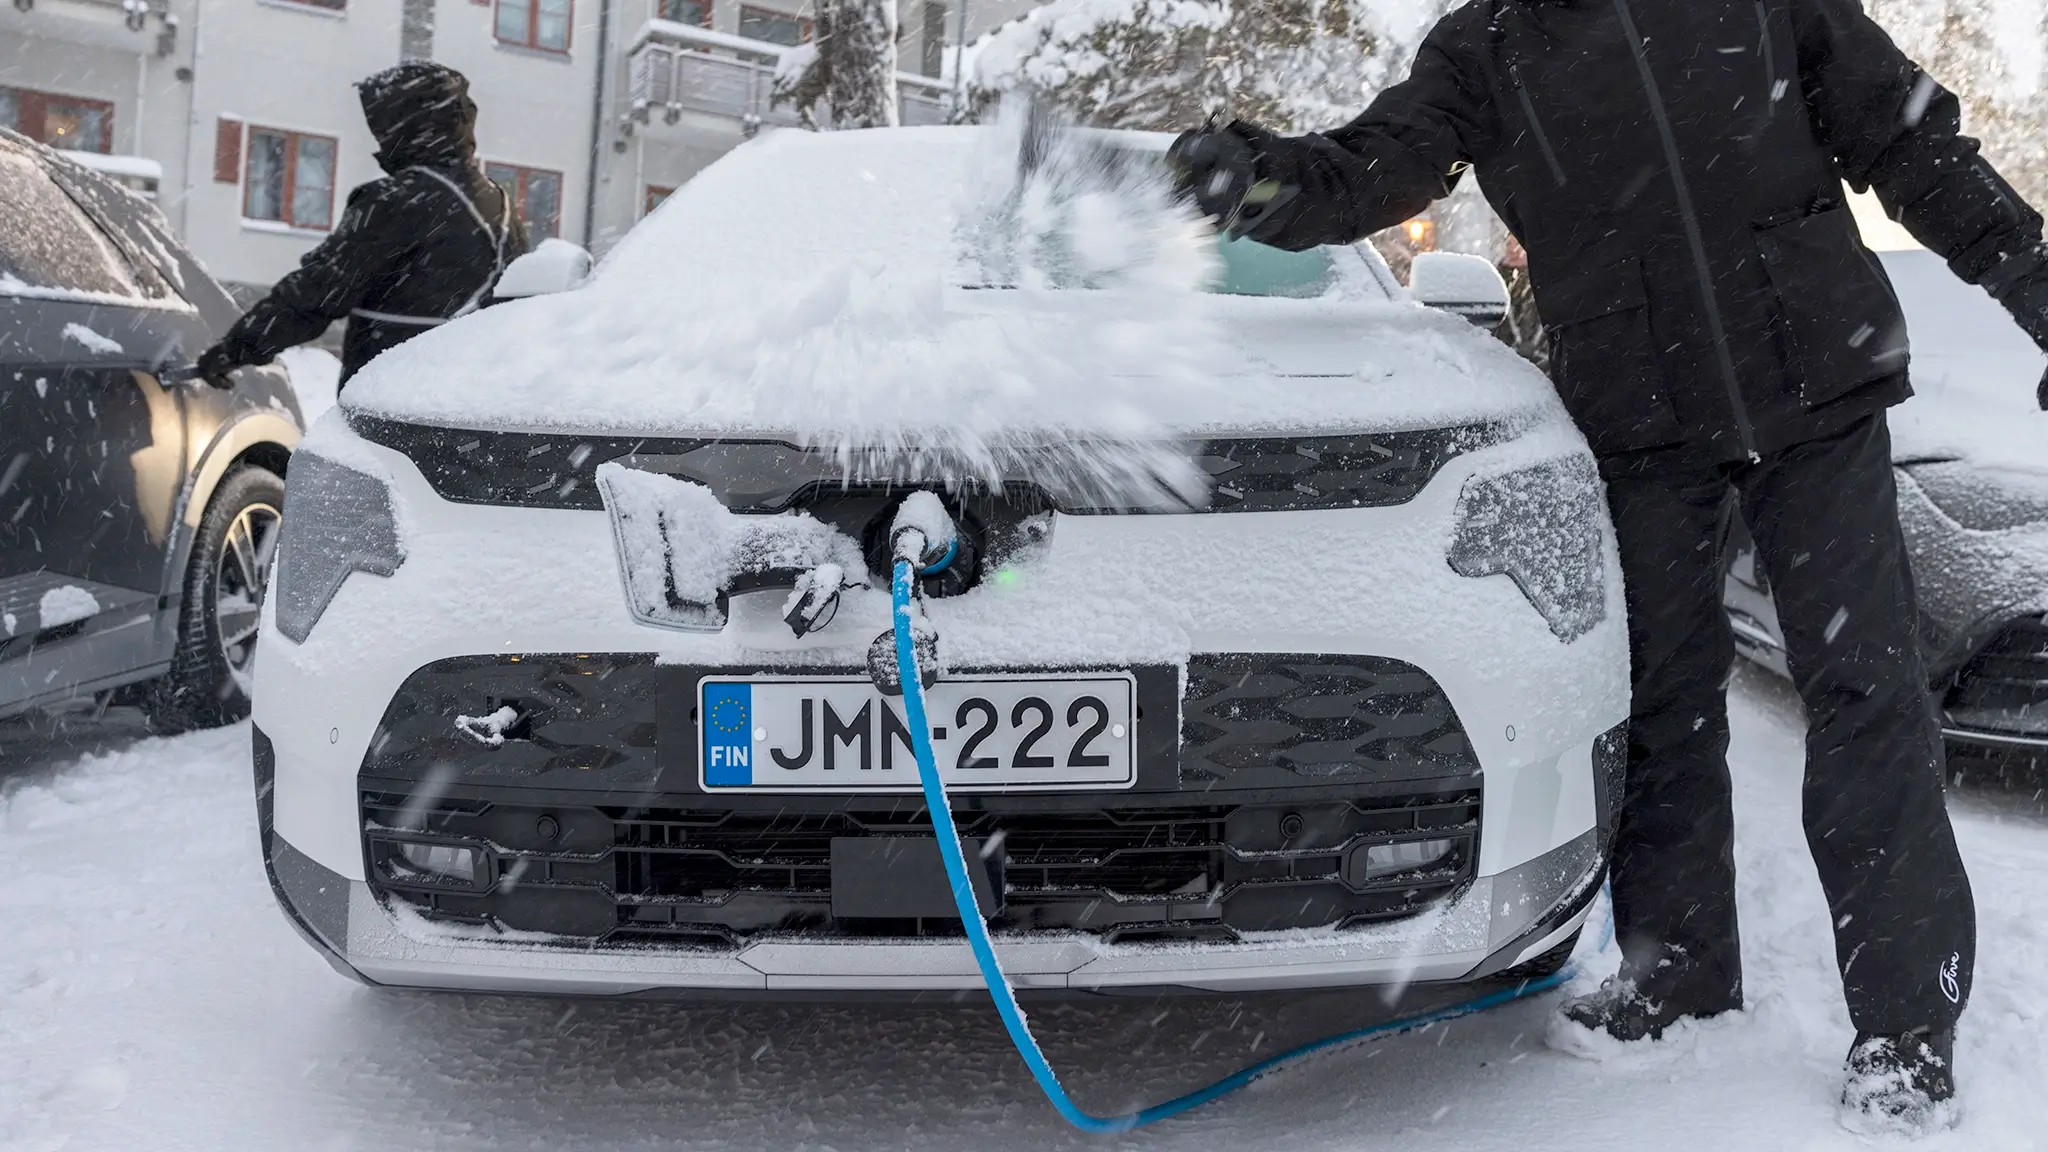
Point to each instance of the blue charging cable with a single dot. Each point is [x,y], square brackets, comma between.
[1005,997]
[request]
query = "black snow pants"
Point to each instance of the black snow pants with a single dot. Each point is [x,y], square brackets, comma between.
[1825,518]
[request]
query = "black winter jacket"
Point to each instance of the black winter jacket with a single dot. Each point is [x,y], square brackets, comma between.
[410,250]
[1728,305]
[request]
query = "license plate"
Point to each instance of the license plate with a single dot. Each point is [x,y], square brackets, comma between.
[990,733]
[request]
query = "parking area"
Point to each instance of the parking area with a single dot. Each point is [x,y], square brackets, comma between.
[152,996]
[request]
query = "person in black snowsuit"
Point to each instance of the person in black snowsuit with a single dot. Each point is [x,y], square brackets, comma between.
[1675,170]
[413,250]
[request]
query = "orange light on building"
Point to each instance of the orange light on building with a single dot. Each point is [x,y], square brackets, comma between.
[1421,234]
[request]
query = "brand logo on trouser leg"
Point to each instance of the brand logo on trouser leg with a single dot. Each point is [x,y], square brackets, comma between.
[1951,986]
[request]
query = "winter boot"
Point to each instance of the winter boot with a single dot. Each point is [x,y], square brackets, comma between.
[1622,1011]
[1904,1085]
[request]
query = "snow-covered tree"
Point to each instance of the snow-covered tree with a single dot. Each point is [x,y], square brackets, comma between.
[846,76]
[1168,64]
[1991,54]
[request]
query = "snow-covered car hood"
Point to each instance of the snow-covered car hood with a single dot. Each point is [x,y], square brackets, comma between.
[810,286]
[1974,378]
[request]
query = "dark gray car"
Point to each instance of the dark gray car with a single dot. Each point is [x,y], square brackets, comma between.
[137,513]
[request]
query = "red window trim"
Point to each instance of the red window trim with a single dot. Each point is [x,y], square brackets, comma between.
[291,175]
[227,150]
[39,100]
[520,173]
[648,199]
[532,42]
[804,24]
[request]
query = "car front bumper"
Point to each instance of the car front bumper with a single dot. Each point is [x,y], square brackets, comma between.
[1491,925]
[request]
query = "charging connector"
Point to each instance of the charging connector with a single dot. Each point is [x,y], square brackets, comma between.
[924,537]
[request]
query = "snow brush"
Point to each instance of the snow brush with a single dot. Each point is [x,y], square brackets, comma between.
[910,545]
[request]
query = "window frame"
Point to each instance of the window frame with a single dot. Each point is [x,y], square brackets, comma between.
[520,176]
[41,99]
[806,27]
[649,200]
[532,41]
[288,195]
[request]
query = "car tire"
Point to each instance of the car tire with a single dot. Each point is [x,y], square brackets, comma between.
[226,577]
[1543,967]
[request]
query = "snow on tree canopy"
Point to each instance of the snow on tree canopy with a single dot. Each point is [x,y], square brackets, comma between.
[1294,65]
[910,289]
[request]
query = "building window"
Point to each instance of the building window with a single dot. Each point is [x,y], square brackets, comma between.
[542,24]
[328,5]
[696,13]
[774,27]
[655,195]
[289,177]
[69,122]
[536,195]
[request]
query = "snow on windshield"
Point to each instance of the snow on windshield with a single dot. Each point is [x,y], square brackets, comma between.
[48,247]
[824,287]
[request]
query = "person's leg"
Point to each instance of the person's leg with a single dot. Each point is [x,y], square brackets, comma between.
[1673,868]
[1825,518]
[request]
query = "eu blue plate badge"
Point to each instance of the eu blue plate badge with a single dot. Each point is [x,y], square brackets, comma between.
[728,735]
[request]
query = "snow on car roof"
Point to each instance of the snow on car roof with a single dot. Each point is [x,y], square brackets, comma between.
[826,287]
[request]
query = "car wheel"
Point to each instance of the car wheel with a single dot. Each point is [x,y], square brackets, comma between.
[1545,966]
[225,581]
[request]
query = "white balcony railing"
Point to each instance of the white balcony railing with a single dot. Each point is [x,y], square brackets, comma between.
[676,68]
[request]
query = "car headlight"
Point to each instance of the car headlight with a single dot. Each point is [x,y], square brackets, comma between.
[1540,526]
[336,521]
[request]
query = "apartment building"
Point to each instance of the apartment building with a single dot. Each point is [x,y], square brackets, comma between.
[241,115]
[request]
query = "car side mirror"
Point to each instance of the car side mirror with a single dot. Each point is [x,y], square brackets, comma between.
[1469,286]
[554,266]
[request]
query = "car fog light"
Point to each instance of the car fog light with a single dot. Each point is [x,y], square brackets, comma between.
[337,520]
[1540,526]
[1379,861]
[443,861]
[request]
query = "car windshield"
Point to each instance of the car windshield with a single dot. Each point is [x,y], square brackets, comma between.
[895,204]
[1252,269]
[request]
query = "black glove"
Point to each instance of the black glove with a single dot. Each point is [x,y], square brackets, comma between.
[214,366]
[1228,172]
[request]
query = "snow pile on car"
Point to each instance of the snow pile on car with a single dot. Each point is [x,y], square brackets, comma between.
[956,290]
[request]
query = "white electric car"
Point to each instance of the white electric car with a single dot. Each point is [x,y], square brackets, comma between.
[538,709]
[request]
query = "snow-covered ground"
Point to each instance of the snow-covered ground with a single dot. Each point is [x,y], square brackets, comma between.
[151,996]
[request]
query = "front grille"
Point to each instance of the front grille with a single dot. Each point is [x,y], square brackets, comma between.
[1317,716]
[1248,474]
[1368,470]
[2003,690]
[722,877]
[587,819]
[618,721]
[511,469]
